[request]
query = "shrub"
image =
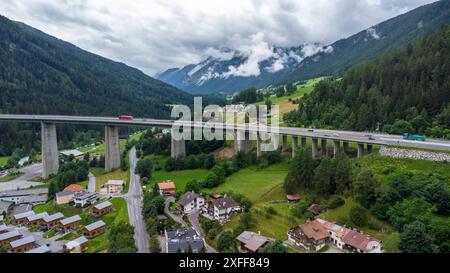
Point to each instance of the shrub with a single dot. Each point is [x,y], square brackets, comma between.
[335,202]
[358,216]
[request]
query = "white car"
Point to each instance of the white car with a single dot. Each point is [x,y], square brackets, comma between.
[336,135]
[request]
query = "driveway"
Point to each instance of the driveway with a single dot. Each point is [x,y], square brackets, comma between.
[194,220]
[176,217]
[92,183]
[23,181]
[135,198]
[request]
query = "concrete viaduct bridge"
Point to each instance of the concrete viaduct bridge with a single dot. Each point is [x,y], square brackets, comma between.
[243,142]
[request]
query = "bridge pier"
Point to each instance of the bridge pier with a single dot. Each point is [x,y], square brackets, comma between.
[294,146]
[360,150]
[284,145]
[346,147]
[304,142]
[324,146]
[50,160]
[242,142]
[315,150]
[369,148]
[259,153]
[112,148]
[178,148]
[336,147]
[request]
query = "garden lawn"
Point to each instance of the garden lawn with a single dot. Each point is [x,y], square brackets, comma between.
[181,178]
[4,160]
[274,226]
[254,183]
[100,149]
[115,175]
[10,177]
[118,215]
[379,164]
[51,208]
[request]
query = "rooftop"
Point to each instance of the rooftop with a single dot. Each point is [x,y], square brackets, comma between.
[314,230]
[54,217]
[360,241]
[166,185]
[224,203]
[182,239]
[23,215]
[9,235]
[35,217]
[293,197]
[95,225]
[75,153]
[103,205]
[70,220]
[86,195]
[41,249]
[115,182]
[253,241]
[23,192]
[187,198]
[73,188]
[23,241]
[3,228]
[76,243]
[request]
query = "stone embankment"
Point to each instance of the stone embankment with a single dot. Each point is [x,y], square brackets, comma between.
[414,154]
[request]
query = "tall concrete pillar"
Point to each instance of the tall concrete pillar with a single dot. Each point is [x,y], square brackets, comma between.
[50,160]
[369,148]
[259,153]
[336,147]
[304,142]
[294,146]
[315,145]
[324,146]
[360,150]
[112,148]
[284,145]
[346,147]
[242,142]
[178,148]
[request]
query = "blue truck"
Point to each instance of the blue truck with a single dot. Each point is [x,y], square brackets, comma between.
[408,136]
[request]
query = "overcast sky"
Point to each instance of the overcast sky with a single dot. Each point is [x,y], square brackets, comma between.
[154,35]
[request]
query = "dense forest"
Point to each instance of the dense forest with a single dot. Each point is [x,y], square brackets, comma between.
[40,74]
[406,90]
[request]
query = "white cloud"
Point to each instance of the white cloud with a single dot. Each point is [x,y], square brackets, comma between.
[372,32]
[154,35]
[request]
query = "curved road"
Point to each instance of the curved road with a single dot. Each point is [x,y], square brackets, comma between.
[24,181]
[134,200]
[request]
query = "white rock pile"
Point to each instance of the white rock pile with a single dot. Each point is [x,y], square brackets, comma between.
[414,154]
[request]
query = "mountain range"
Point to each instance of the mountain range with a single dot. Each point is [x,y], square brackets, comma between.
[40,74]
[215,75]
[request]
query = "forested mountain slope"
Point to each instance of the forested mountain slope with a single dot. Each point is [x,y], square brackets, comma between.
[40,74]
[403,90]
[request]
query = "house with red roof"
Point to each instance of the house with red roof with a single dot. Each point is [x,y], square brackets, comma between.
[75,188]
[167,188]
[311,236]
[316,234]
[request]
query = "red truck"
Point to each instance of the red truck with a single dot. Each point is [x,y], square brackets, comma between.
[125,117]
